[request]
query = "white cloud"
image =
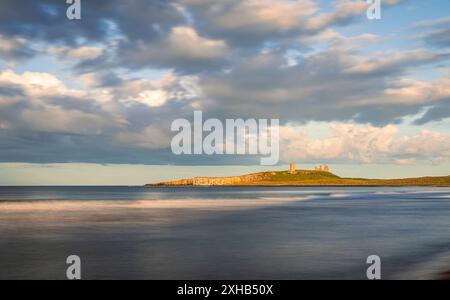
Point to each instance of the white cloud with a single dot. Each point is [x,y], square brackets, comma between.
[157,93]
[153,98]
[38,84]
[30,78]
[80,53]
[347,142]
[50,106]
[186,43]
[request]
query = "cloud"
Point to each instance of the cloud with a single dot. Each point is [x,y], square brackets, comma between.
[432,23]
[45,104]
[438,112]
[440,37]
[14,49]
[149,138]
[334,84]
[434,32]
[187,36]
[182,49]
[37,84]
[80,53]
[136,66]
[344,12]
[389,63]
[56,119]
[158,93]
[103,22]
[44,120]
[251,23]
[46,20]
[353,143]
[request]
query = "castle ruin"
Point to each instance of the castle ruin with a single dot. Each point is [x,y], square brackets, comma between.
[292,168]
[321,168]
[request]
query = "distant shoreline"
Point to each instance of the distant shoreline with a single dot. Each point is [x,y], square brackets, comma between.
[303,178]
[292,185]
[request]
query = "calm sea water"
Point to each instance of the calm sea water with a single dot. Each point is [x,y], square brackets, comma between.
[223,233]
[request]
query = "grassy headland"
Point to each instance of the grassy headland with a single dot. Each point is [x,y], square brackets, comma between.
[304,178]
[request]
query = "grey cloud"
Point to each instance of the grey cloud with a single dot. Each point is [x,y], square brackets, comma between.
[60,148]
[135,34]
[318,88]
[439,38]
[434,32]
[182,49]
[247,23]
[254,23]
[438,112]
[16,54]
[109,79]
[10,91]
[38,126]
[146,28]
[334,84]
[395,63]
[46,19]
[15,49]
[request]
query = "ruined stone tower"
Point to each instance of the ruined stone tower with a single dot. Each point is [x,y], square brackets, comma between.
[292,168]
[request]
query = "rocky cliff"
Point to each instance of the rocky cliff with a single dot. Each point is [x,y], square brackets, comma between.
[218,181]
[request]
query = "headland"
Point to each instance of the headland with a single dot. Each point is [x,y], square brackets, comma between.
[319,177]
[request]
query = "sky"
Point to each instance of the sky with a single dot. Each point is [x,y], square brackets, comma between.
[91,101]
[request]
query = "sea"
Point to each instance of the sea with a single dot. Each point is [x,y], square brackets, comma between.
[224,233]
